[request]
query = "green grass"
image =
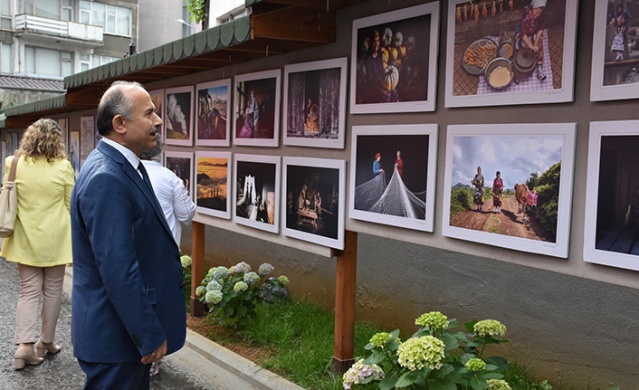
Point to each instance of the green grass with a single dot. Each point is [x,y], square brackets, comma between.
[302,337]
[297,340]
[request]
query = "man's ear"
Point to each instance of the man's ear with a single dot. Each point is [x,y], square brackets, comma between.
[118,124]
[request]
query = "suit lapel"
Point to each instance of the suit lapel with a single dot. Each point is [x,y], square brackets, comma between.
[134,176]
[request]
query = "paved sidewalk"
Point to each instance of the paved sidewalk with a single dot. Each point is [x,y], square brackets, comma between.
[200,365]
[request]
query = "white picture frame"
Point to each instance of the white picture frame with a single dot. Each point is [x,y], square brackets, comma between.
[314,109]
[419,29]
[213,183]
[256,198]
[257,92]
[302,178]
[213,125]
[610,79]
[403,195]
[611,195]
[540,154]
[466,85]
[181,163]
[178,116]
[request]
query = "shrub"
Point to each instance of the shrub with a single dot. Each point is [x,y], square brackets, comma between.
[186,269]
[232,293]
[436,357]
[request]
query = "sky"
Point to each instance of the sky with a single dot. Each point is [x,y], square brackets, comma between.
[516,157]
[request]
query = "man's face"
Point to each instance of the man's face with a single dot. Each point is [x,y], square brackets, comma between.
[143,124]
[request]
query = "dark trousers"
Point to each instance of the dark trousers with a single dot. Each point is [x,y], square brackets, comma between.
[109,376]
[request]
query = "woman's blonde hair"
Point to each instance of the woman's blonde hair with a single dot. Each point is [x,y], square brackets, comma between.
[43,139]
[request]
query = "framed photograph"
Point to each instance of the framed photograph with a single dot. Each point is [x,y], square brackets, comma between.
[510,52]
[87,136]
[510,185]
[315,103]
[612,195]
[213,181]
[178,120]
[181,163]
[213,109]
[256,109]
[614,54]
[64,127]
[393,175]
[394,61]
[257,191]
[74,150]
[314,200]
[157,97]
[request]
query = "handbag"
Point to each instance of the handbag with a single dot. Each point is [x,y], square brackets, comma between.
[9,201]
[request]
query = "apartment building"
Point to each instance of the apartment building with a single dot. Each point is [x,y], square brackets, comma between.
[43,41]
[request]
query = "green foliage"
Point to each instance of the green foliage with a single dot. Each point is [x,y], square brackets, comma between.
[302,337]
[233,293]
[461,199]
[439,356]
[197,9]
[186,270]
[547,187]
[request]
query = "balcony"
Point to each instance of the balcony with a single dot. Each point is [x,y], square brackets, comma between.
[43,27]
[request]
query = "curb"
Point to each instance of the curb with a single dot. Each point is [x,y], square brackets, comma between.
[248,371]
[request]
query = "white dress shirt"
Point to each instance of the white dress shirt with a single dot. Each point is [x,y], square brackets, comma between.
[173,196]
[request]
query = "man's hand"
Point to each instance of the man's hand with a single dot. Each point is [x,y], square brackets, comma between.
[155,355]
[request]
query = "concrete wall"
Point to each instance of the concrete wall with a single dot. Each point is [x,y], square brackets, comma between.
[158,23]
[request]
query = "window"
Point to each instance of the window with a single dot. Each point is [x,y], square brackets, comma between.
[44,8]
[186,27]
[88,61]
[67,10]
[114,20]
[5,14]
[6,59]
[47,63]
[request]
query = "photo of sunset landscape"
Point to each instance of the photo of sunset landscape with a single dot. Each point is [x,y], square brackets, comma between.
[212,182]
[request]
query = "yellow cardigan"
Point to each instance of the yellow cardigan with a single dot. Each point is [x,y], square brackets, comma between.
[42,235]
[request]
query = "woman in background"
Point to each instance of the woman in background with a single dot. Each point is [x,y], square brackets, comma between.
[41,240]
[498,188]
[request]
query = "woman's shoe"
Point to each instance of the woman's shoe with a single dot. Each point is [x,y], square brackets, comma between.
[24,357]
[43,348]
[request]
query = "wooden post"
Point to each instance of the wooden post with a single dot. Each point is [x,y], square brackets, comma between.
[345,285]
[197,267]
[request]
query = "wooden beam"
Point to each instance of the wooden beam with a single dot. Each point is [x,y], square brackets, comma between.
[197,267]
[345,286]
[267,27]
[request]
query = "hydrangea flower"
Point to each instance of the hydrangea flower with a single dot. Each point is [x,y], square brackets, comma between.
[360,371]
[213,285]
[490,327]
[432,320]
[186,261]
[265,269]
[283,280]
[219,272]
[213,297]
[419,352]
[200,290]
[240,286]
[475,364]
[497,384]
[240,268]
[251,277]
[381,339]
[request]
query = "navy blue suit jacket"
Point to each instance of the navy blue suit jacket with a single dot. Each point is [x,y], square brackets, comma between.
[128,287]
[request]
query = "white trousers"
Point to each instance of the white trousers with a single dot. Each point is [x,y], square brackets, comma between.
[36,282]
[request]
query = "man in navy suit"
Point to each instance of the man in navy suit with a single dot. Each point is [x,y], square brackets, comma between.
[128,295]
